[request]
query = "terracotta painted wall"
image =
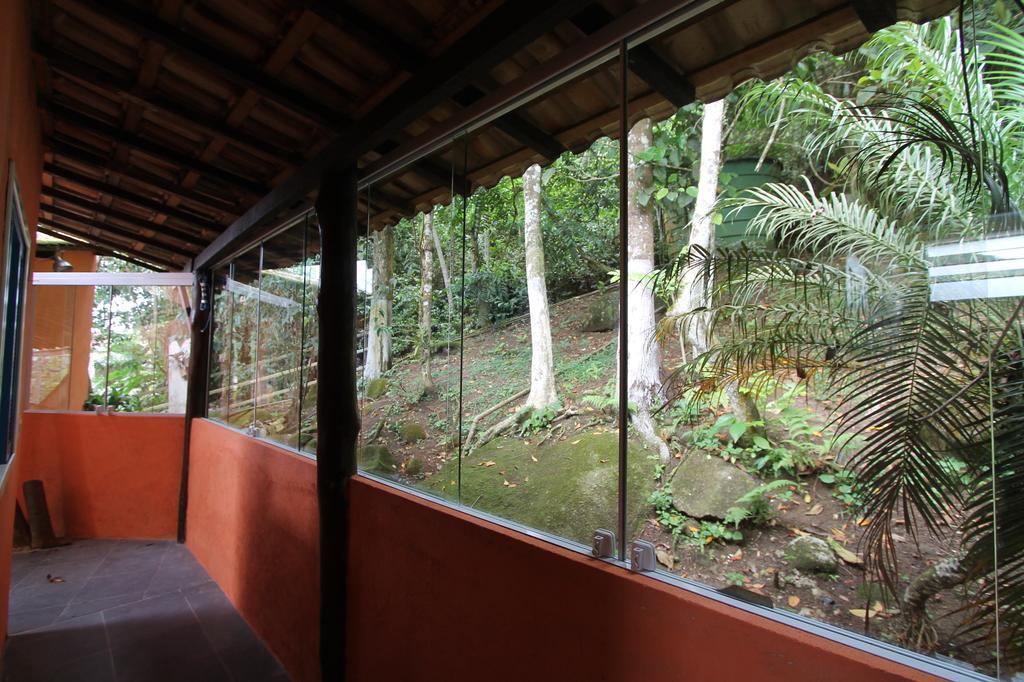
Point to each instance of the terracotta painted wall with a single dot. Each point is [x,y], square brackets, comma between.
[252,523]
[110,476]
[20,140]
[436,594]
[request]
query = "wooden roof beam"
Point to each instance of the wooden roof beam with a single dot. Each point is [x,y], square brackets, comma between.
[167,260]
[85,204]
[98,250]
[875,14]
[215,206]
[149,99]
[517,127]
[131,198]
[156,150]
[124,232]
[368,33]
[227,65]
[643,60]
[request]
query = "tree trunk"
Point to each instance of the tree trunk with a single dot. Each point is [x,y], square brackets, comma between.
[542,365]
[426,293]
[693,291]
[378,336]
[443,263]
[643,374]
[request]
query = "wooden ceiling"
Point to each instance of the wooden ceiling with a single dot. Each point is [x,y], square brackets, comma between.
[167,120]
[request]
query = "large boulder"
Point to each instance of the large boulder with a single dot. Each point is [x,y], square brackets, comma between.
[412,432]
[602,314]
[375,388]
[705,487]
[811,555]
[377,458]
[567,488]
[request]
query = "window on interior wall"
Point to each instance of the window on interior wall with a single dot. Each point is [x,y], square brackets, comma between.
[110,347]
[263,343]
[15,273]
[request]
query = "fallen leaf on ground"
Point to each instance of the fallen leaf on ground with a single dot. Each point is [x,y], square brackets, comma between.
[738,556]
[488,463]
[807,497]
[665,558]
[864,522]
[793,601]
[54,578]
[814,511]
[576,442]
[797,531]
[533,458]
[844,554]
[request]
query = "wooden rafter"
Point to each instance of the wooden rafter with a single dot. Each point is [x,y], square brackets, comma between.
[86,204]
[121,194]
[103,239]
[104,251]
[156,240]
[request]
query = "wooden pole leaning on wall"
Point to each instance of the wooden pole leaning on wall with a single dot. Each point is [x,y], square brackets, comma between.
[337,409]
[198,366]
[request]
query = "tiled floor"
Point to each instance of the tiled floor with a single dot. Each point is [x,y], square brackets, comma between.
[121,611]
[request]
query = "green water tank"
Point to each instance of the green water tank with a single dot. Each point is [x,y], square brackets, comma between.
[744,175]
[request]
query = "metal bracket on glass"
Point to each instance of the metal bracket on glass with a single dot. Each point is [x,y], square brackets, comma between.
[603,544]
[641,556]
[256,431]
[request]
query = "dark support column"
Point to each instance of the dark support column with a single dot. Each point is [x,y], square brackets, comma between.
[198,366]
[337,411]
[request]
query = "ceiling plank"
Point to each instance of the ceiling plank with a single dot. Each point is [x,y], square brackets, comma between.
[228,66]
[517,127]
[131,198]
[124,232]
[214,206]
[162,106]
[122,138]
[103,240]
[86,204]
[75,240]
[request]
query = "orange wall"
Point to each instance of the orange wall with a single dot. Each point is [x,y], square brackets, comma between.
[438,594]
[110,476]
[20,141]
[252,523]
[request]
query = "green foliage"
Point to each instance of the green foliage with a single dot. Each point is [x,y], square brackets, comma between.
[539,419]
[755,507]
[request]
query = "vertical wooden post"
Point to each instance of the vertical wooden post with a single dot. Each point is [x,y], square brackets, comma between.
[198,367]
[337,409]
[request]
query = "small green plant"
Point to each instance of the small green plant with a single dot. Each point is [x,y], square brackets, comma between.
[539,420]
[735,578]
[668,517]
[755,507]
[844,482]
[706,532]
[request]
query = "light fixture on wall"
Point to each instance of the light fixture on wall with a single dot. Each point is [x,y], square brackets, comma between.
[60,264]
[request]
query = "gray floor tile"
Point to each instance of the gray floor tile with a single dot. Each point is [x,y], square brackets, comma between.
[125,611]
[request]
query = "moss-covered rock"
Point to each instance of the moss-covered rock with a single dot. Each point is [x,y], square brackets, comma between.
[375,388]
[705,487]
[567,488]
[413,466]
[412,432]
[602,314]
[811,555]
[377,458]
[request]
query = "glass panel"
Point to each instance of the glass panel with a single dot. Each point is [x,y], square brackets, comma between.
[541,307]
[241,346]
[282,288]
[310,332]
[841,349]
[52,349]
[99,357]
[220,346]
[408,360]
[147,363]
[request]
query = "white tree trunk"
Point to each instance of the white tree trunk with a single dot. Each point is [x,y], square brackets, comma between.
[542,365]
[378,335]
[643,374]
[444,272]
[693,291]
[426,293]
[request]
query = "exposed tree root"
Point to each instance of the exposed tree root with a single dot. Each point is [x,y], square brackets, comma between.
[489,411]
[918,630]
[644,425]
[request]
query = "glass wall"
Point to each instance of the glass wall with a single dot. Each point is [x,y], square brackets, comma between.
[817,365]
[118,348]
[262,354]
